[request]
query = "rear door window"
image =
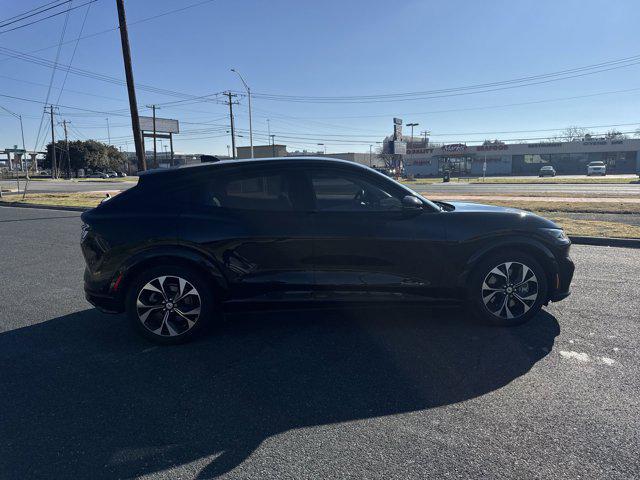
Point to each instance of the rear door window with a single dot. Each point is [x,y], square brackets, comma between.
[267,189]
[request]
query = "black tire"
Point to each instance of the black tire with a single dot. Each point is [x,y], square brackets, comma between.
[173,328]
[519,306]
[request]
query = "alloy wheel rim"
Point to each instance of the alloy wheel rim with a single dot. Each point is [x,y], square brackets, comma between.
[168,306]
[509,290]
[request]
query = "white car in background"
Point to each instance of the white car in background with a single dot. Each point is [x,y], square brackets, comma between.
[596,168]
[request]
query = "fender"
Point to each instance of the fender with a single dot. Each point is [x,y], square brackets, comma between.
[530,243]
[180,252]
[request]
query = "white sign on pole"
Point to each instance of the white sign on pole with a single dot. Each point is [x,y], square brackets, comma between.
[163,125]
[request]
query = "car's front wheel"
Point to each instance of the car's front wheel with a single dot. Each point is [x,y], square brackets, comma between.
[169,304]
[508,289]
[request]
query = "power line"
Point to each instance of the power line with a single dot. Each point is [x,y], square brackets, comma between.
[89,74]
[142,20]
[73,54]
[28,13]
[47,17]
[511,83]
[63,106]
[53,72]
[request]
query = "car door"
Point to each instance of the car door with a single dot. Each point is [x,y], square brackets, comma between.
[255,223]
[367,246]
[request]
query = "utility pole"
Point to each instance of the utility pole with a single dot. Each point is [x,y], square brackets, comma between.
[66,143]
[370,147]
[108,132]
[273,145]
[233,132]
[54,163]
[133,104]
[250,120]
[155,153]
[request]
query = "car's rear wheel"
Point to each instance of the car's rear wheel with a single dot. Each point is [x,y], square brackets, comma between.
[508,289]
[170,304]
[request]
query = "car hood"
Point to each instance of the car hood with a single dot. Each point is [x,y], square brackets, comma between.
[480,207]
[500,217]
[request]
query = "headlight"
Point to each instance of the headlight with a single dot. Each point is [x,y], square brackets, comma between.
[557,233]
[85,231]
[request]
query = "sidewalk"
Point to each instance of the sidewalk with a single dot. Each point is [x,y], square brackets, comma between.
[514,198]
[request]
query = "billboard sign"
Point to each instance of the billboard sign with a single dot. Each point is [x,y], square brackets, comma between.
[399,147]
[163,125]
[397,129]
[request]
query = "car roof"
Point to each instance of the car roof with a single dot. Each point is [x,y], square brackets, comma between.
[210,166]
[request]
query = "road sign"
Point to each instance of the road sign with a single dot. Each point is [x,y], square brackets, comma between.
[163,125]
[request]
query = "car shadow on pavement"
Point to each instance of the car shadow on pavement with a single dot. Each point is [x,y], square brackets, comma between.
[83,397]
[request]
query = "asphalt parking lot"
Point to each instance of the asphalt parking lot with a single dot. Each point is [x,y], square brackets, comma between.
[395,392]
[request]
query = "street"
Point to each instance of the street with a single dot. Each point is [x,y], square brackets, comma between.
[391,392]
[65,186]
[455,188]
[577,190]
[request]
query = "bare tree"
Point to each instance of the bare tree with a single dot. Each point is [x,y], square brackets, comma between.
[572,133]
[615,135]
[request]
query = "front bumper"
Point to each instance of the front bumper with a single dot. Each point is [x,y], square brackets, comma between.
[562,282]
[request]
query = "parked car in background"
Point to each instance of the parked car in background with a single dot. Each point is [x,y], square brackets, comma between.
[112,174]
[98,175]
[596,168]
[183,245]
[547,171]
[122,174]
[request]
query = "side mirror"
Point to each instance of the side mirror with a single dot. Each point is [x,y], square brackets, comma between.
[411,202]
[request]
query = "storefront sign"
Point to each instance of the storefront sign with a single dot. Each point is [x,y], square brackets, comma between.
[455,147]
[485,148]
[412,151]
[538,145]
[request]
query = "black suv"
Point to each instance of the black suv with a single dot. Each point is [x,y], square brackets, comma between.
[184,244]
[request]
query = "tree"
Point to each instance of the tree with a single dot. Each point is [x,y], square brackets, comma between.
[572,133]
[85,154]
[615,135]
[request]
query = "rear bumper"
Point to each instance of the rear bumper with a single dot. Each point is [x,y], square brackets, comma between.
[104,303]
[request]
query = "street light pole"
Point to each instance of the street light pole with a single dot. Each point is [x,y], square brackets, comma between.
[250,116]
[412,125]
[19,117]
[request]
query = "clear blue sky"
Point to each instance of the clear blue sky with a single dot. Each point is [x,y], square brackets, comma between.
[330,48]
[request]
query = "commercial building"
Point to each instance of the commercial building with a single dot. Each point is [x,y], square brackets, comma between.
[267,151]
[262,151]
[568,158]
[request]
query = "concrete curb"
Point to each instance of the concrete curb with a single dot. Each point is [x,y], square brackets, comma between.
[43,207]
[606,242]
